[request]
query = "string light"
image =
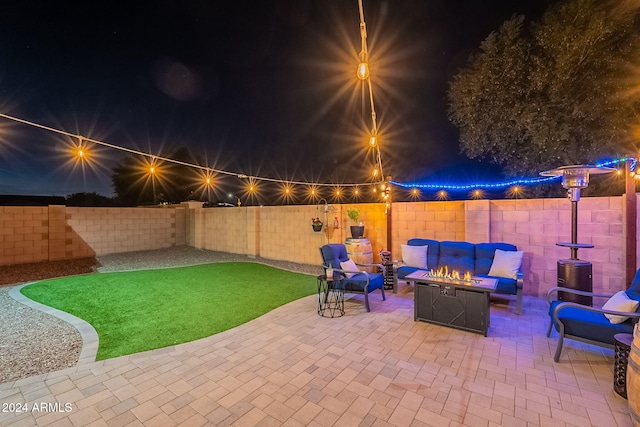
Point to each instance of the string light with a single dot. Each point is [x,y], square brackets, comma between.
[155,157]
[364,74]
[506,184]
[82,153]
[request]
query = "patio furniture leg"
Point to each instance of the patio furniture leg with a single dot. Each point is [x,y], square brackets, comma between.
[556,357]
[519,302]
[550,326]
[384,298]
[366,300]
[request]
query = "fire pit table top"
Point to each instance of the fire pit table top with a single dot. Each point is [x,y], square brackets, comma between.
[485,284]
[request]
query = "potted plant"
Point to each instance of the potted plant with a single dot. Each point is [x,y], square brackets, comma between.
[316,223]
[357,231]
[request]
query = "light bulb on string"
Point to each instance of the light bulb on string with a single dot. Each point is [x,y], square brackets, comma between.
[363,67]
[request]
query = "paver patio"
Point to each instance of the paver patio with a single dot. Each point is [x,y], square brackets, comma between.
[292,367]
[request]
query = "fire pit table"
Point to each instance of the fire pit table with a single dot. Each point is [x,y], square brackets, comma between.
[457,303]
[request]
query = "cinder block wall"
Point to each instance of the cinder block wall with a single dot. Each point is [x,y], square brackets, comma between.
[114,230]
[429,220]
[282,232]
[24,234]
[536,225]
[34,234]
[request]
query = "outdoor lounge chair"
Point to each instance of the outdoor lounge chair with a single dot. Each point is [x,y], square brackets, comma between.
[361,282]
[589,324]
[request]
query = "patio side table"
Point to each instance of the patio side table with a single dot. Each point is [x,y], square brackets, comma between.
[621,349]
[385,258]
[330,297]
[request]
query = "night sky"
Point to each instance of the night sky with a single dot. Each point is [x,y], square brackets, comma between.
[263,88]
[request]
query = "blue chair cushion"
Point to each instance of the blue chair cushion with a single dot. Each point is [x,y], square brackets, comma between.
[589,324]
[485,253]
[505,285]
[356,282]
[333,254]
[458,256]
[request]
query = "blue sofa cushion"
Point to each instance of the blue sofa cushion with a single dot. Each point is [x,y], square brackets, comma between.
[404,271]
[485,253]
[357,282]
[433,253]
[458,256]
[589,324]
[505,285]
[634,289]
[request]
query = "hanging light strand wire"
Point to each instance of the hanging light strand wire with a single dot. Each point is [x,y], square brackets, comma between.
[84,139]
[364,57]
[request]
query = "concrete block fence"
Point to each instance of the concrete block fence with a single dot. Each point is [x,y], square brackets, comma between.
[32,234]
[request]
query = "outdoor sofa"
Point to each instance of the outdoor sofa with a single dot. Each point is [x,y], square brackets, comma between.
[476,258]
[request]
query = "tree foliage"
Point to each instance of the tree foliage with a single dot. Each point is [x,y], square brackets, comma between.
[88,199]
[556,92]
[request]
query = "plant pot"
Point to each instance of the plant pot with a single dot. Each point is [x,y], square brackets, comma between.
[357,231]
[317,228]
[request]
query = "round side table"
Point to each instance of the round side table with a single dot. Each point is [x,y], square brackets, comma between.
[621,349]
[330,297]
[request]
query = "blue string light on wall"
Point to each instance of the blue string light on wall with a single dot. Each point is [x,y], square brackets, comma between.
[443,186]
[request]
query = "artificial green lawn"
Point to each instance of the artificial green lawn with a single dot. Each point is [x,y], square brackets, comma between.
[143,310]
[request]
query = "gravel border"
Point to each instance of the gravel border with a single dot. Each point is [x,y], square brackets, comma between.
[33,342]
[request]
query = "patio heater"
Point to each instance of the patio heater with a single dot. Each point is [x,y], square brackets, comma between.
[574,273]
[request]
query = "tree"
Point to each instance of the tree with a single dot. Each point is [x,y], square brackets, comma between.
[553,93]
[136,183]
[88,199]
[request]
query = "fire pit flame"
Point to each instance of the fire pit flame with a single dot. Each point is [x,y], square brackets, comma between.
[444,273]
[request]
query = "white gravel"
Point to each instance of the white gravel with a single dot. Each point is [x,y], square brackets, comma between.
[33,343]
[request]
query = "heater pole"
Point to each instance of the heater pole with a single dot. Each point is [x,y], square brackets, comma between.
[574,196]
[574,229]
[389,216]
